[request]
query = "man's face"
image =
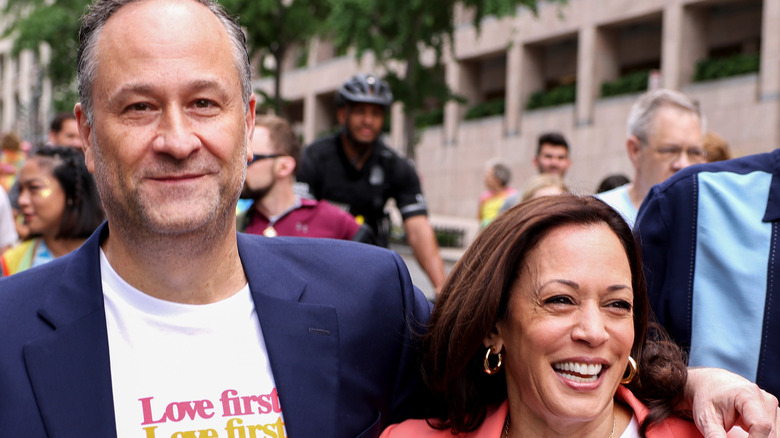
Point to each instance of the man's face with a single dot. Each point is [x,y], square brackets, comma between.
[675,142]
[67,136]
[364,121]
[552,159]
[261,174]
[168,143]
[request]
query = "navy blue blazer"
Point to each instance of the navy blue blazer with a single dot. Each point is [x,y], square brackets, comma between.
[339,321]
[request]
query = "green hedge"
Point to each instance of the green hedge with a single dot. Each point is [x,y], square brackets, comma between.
[557,96]
[716,68]
[449,237]
[429,118]
[630,83]
[485,109]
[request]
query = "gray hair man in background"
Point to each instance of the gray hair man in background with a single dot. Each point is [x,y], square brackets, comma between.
[665,134]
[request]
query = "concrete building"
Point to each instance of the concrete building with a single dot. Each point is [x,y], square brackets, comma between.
[25,91]
[587,42]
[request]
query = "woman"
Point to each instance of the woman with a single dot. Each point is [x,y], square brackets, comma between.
[59,202]
[11,159]
[542,330]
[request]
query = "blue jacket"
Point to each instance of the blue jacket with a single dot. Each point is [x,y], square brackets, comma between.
[709,238]
[337,318]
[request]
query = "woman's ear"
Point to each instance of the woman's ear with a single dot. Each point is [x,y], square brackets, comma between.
[494,341]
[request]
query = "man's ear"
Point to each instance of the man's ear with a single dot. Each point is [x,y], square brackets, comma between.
[633,148]
[341,115]
[250,125]
[85,132]
[285,166]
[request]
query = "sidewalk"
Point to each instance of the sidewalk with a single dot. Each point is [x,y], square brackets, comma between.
[449,255]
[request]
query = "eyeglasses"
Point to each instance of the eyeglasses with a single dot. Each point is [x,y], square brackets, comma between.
[258,157]
[671,153]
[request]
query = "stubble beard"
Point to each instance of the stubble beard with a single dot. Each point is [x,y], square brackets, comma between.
[142,223]
[258,193]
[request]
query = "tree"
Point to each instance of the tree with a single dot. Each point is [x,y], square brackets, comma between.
[400,31]
[272,27]
[33,22]
[275,26]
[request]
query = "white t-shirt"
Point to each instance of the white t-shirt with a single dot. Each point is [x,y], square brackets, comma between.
[618,199]
[632,430]
[182,370]
[7,227]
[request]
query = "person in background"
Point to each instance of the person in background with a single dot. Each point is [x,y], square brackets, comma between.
[8,234]
[717,148]
[64,131]
[552,157]
[270,178]
[543,330]
[11,159]
[552,154]
[355,170]
[497,177]
[710,243]
[612,182]
[60,205]
[546,184]
[665,134]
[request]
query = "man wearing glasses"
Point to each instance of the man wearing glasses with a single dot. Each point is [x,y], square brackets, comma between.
[709,244]
[277,209]
[665,134]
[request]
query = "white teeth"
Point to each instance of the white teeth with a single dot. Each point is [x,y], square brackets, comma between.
[582,369]
[579,379]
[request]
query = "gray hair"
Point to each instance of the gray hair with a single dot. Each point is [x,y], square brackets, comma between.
[95,19]
[642,114]
[499,170]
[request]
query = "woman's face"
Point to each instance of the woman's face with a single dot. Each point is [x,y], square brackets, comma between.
[41,198]
[569,328]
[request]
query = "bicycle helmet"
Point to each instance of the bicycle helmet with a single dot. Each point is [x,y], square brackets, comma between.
[365,88]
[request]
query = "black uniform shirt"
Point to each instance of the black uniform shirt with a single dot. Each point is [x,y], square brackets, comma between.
[330,175]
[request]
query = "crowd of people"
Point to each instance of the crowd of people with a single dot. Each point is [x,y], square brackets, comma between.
[133,307]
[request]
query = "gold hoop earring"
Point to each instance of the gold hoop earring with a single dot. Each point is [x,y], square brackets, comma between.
[631,371]
[486,363]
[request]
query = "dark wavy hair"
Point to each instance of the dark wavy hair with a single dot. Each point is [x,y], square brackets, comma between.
[83,210]
[476,296]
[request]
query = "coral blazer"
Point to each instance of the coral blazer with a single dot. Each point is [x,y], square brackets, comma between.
[675,427]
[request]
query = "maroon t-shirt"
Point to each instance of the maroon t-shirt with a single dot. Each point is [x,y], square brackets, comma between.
[311,219]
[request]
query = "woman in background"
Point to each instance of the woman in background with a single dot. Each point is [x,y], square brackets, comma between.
[59,203]
[11,159]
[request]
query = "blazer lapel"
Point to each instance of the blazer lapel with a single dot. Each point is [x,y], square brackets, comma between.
[302,340]
[69,368]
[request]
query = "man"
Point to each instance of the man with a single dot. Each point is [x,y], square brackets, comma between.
[354,169]
[552,154]
[709,239]
[169,323]
[166,322]
[270,178]
[64,131]
[665,134]
[552,157]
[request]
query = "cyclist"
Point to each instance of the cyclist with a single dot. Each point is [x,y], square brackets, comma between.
[355,170]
